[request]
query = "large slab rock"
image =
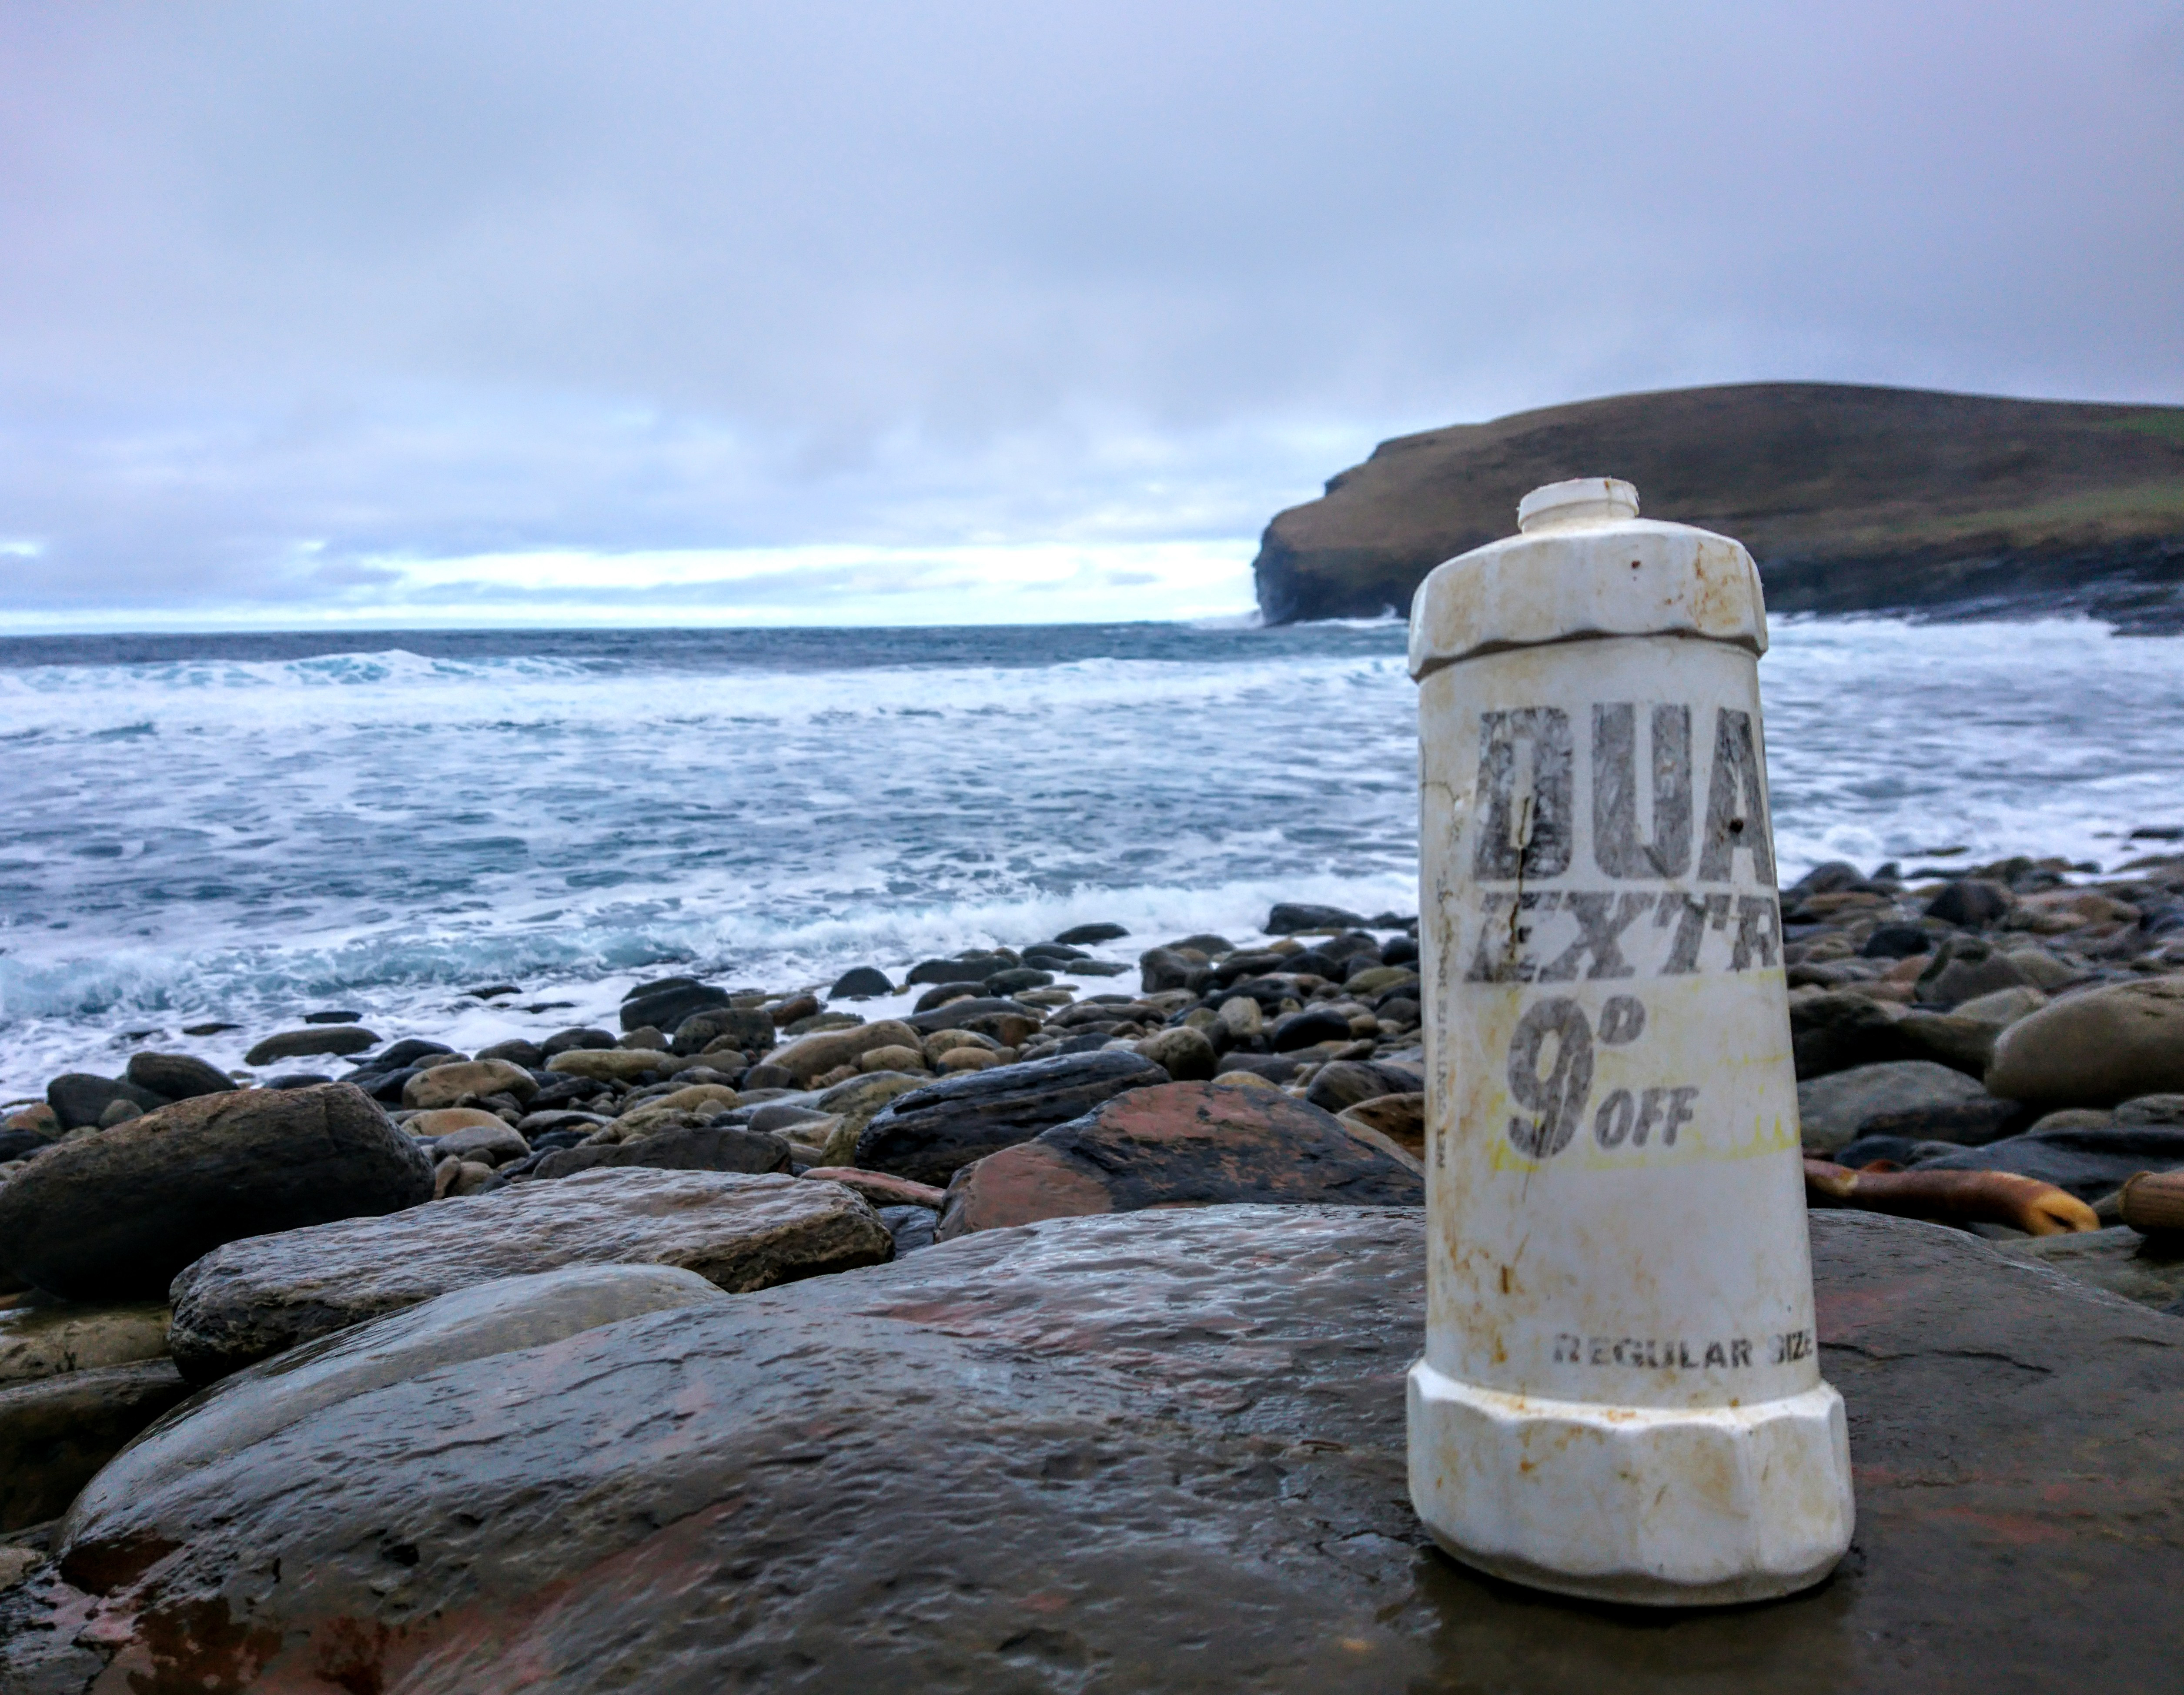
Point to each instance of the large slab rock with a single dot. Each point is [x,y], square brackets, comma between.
[500,1317]
[1188,1472]
[253,1299]
[931,1133]
[56,1432]
[115,1215]
[1181,1145]
[2096,1048]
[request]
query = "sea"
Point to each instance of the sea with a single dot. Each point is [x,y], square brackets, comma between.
[249,828]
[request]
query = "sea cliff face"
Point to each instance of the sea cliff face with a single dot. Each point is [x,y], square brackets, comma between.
[1851,498]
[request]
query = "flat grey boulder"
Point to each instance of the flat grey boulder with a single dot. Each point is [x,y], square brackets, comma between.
[930,1133]
[113,1216]
[1184,1469]
[253,1299]
[501,1317]
[1832,1109]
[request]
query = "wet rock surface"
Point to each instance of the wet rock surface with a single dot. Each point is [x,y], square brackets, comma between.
[1189,1474]
[115,1215]
[56,1432]
[931,1133]
[1180,1145]
[253,1299]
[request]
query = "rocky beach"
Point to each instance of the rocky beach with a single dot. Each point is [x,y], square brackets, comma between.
[1031,1312]
[248,1310]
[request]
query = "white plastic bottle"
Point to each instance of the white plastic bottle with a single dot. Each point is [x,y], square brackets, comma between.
[1620,1396]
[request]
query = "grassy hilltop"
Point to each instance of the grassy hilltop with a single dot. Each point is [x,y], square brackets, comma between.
[1851,498]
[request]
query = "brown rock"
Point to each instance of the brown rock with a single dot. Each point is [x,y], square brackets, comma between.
[254,1298]
[115,1215]
[1185,1054]
[457,1085]
[812,1056]
[1400,1118]
[1179,1144]
[1187,1473]
[2096,1048]
[603,1065]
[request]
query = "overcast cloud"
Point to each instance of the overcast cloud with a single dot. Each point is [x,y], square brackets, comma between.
[490,312]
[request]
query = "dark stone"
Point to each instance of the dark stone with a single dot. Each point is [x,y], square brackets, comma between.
[1307,1028]
[761,1078]
[516,1052]
[1967,1123]
[253,1299]
[55,1433]
[1003,984]
[212,1029]
[1053,956]
[1091,1041]
[1179,1145]
[1896,941]
[294,1079]
[665,1008]
[1398,951]
[2089,1160]
[1970,903]
[1188,1472]
[1345,1082]
[911,1227]
[1398,1006]
[333,1039]
[385,1086]
[1097,968]
[973,967]
[177,1076]
[1835,1031]
[1275,1067]
[564,1090]
[1289,917]
[957,1015]
[332,1016]
[115,1216]
[577,1036]
[1835,877]
[1162,968]
[14,1144]
[860,984]
[80,1099]
[694,1147]
[1083,935]
[403,1054]
[930,1133]
[750,1028]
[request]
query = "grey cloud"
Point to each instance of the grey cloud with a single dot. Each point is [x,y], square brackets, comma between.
[292,288]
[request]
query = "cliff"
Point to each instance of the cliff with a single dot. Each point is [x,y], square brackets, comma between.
[1851,498]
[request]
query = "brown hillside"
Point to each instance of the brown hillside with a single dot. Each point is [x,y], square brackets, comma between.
[1851,498]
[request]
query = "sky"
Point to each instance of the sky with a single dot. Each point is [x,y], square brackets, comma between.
[871,312]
